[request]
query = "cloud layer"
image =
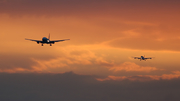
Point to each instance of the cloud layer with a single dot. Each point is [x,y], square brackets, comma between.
[73,87]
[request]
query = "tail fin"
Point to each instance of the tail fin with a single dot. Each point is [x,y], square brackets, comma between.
[49,36]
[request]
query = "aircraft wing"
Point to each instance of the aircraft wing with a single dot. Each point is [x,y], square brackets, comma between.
[58,40]
[33,40]
[148,58]
[136,57]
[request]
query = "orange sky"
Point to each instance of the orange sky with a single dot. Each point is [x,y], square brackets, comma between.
[104,36]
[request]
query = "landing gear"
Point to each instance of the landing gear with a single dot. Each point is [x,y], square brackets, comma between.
[50,44]
[42,44]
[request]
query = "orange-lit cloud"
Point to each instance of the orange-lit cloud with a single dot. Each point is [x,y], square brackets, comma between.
[74,59]
[128,66]
[147,43]
[89,59]
[17,70]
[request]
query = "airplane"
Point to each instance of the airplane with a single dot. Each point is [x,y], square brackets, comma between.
[142,58]
[46,40]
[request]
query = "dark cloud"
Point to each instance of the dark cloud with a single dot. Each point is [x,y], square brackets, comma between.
[72,87]
[42,7]
[66,7]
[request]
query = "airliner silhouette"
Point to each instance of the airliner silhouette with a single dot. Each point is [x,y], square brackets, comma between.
[142,58]
[46,40]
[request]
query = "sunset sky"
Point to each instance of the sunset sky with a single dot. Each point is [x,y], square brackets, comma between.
[104,36]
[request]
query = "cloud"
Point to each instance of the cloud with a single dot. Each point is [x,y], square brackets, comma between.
[82,59]
[15,70]
[175,75]
[66,7]
[11,61]
[22,61]
[129,66]
[76,59]
[144,36]
[55,60]
[144,43]
[72,87]
[87,59]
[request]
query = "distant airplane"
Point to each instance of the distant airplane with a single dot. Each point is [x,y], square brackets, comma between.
[142,58]
[46,40]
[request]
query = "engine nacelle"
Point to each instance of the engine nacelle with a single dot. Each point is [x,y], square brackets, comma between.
[37,42]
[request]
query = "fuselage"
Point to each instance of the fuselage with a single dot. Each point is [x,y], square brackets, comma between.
[142,58]
[45,40]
